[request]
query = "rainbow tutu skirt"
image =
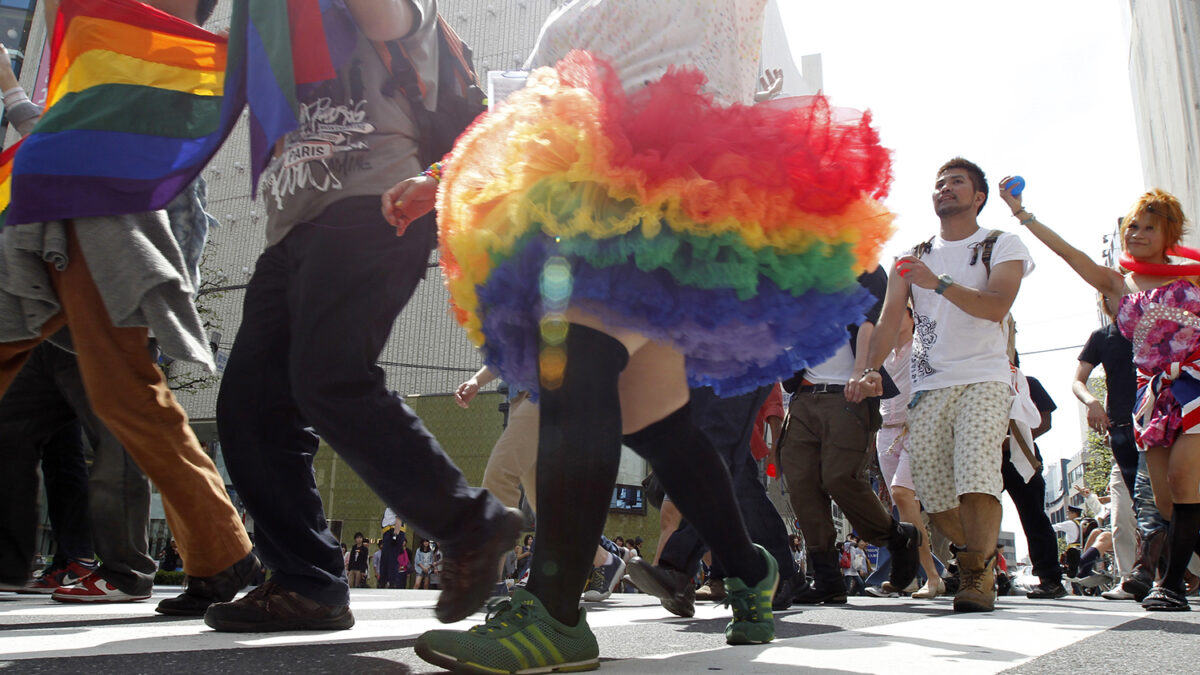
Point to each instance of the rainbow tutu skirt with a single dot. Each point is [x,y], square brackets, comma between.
[733,233]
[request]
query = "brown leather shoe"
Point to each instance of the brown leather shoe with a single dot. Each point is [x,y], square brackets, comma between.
[201,592]
[468,576]
[713,589]
[977,583]
[272,608]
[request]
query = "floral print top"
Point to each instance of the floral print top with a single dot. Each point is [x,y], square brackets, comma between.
[1162,323]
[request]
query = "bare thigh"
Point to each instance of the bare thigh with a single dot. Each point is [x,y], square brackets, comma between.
[1183,469]
[1156,466]
[653,384]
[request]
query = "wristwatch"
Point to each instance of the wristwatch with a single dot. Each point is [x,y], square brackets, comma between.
[944,282]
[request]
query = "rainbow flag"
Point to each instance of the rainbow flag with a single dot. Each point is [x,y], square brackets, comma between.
[134,112]
[276,49]
[139,101]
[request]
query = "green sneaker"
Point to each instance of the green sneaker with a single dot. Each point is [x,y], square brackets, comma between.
[519,636]
[753,621]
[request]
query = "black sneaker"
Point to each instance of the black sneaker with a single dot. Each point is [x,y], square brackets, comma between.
[272,608]
[200,592]
[1138,585]
[674,589]
[469,576]
[604,580]
[822,594]
[786,591]
[1047,590]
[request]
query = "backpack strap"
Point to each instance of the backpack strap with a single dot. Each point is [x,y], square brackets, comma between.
[922,248]
[983,250]
[404,79]
[454,59]
[462,61]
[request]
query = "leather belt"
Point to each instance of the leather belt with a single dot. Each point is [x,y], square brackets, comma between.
[820,389]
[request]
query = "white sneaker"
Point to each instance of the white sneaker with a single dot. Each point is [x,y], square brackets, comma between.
[1117,593]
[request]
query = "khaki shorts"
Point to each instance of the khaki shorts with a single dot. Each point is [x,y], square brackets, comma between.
[954,439]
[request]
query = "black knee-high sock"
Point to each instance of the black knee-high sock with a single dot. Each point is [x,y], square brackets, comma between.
[693,474]
[1181,542]
[579,450]
[1087,561]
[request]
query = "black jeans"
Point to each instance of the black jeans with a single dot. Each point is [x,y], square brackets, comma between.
[318,312]
[1125,452]
[1030,500]
[106,510]
[728,423]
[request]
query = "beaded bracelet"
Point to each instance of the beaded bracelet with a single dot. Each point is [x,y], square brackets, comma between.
[434,171]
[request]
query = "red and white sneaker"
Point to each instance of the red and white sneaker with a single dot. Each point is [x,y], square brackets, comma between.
[56,578]
[94,588]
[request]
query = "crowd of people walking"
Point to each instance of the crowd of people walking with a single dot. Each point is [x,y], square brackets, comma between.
[647,243]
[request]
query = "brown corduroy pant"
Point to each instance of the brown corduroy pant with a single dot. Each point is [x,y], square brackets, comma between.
[130,395]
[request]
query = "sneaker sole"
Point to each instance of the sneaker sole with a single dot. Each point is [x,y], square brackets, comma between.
[454,665]
[98,599]
[1052,596]
[169,611]
[343,622]
[967,606]
[649,585]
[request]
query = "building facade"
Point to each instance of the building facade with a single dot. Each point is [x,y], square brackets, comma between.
[1164,74]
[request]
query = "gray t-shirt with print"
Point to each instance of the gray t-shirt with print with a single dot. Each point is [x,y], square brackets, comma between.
[353,140]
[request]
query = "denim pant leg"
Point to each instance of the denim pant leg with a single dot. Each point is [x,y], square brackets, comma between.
[65,473]
[1125,453]
[319,309]
[118,492]
[31,413]
[1149,520]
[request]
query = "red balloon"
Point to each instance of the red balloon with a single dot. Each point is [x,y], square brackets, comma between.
[771,470]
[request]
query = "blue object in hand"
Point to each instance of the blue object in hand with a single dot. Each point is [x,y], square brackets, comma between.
[1017,184]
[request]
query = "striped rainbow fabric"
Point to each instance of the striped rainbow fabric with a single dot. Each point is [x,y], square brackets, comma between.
[735,234]
[140,101]
[134,112]
[276,48]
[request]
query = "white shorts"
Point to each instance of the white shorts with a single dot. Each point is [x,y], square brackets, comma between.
[893,457]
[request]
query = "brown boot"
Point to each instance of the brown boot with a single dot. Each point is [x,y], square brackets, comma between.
[1150,550]
[713,590]
[976,590]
